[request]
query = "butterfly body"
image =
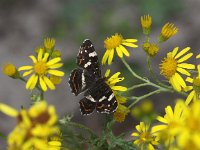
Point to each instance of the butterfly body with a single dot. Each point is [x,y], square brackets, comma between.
[87,78]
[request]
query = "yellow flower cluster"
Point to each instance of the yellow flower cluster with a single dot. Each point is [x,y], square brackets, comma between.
[180,127]
[34,127]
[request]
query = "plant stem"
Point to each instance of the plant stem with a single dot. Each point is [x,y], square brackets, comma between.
[80,126]
[144,96]
[137,86]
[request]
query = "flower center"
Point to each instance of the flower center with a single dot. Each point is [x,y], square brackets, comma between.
[168,66]
[145,137]
[153,49]
[40,68]
[113,42]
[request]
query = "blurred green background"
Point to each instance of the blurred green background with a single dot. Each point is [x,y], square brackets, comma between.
[25,23]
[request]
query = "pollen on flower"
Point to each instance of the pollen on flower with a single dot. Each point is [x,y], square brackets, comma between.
[9,70]
[40,68]
[113,42]
[168,66]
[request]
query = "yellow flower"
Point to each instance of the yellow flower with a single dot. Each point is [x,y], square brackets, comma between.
[54,141]
[41,69]
[116,42]
[168,30]
[173,65]
[145,138]
[195,89]
[190,135]
[152,50]
[49,43]
[34,126]
[111,81]
[55,79]
[146,22]
[10,70]
[172,122]
[122,110]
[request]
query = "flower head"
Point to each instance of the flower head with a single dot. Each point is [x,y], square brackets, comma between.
[41,69]
[10,70]
[194,89]
[116,42]
[173,65]
[34,126]
[145,138]
[168,30]
[49,43]
[146,22]
[151,49]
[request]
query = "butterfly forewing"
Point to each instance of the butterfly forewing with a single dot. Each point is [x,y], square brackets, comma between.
[87,58]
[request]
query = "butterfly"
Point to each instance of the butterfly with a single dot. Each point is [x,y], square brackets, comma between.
[87,78]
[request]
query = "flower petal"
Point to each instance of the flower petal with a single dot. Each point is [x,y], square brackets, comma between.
[53,61]
[184,58]
[46,55]
[182,52]
[130,40]
[43,84]
[190,97]
[180,80]
[33,58]
[110,57]
[198,56]
[30,80]
[8,110]
[158,128]
[25,68]
[49,83]
[105,57]
[119,52]
[124,50]
[58,65]
[183,71]
[56,73]
[27,73]
[130,45]
[119,88]
[33,84]
[174,83]
[174,52]
[186,66]
[40,54]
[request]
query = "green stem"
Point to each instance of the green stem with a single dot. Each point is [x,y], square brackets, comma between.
[80,126]
[143,97]
[137,86]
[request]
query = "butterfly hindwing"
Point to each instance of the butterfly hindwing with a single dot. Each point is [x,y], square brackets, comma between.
[86,106]
[87,58]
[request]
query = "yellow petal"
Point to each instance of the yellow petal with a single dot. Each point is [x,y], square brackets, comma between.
[58,65]
[40,54]
[42,84]
[124,50]
[49,83]
[8,110]
[174,83]
[130,40]
[190,97]
[46,55]
[161,119]
[53,61]
[182,52]
[119,88]
[33,58]
[33,84]
[130,45]
[186,66]
[180,80]
[107,73]
[105,57]
[188,79]
[119,52]
[30,80]
[56,73]
[114,76]
[110,57]
[134,134]
[184,58]
[27,73]
[183,71]
[198,56]
[158,128]
[25,68]
[174,52]
[114,81]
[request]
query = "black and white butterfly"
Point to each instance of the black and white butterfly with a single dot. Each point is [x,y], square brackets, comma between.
[87,77]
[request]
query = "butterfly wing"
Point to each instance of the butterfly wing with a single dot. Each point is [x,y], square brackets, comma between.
[103,97]
[87,58]
[87,105]
[80,80]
